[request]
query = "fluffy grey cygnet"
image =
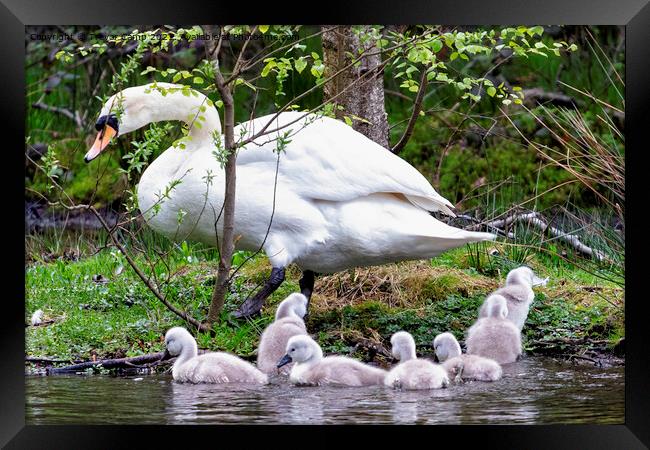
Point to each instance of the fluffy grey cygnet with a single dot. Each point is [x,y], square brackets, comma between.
[518,293]
[273,343]
[413,373]
[495,336]
[217,367]
[310,368]
[469,367]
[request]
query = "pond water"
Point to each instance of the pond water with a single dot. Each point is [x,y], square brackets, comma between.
[535,390]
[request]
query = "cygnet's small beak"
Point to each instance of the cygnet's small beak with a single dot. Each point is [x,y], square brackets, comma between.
[286,359]
[101,141]
[165,355]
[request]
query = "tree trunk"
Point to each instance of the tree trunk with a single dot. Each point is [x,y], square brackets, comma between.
[227,240]
[366,98]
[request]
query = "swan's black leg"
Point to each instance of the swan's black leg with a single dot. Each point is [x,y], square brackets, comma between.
[254,304]
[307,286]
[307,283]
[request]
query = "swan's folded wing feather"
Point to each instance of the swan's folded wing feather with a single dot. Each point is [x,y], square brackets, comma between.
[327,160]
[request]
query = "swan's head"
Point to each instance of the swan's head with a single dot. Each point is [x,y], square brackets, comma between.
[446,346]
[138,106]
[300,348]
[178,339]
[525,276]
[496,306]
[295,303]
[403,346]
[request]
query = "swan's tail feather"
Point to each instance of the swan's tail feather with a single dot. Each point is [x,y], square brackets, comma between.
[437,244]
[430,204]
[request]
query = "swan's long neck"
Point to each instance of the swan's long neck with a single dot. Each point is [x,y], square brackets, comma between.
[148,105]
[194,110]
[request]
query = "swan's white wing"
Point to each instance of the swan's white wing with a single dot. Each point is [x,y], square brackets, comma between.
[327,160]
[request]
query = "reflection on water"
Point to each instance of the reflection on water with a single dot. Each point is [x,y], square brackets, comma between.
[535,390]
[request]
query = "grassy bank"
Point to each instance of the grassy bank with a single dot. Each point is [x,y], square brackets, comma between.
[101,309]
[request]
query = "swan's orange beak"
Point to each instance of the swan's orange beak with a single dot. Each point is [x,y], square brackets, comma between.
[101,141]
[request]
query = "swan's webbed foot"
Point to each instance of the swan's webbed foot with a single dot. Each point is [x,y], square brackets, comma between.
[253,305]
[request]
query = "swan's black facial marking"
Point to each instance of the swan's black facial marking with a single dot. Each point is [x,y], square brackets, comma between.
[110,120]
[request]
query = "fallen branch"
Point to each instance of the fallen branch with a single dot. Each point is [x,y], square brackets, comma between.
[489,226]
[534,219]
[137,362]
[75,117]
[144,361]
[538,95]
[40,324]
[36,360]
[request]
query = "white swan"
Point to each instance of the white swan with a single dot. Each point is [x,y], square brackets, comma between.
[495,336]
[341,201]
[217,367]
[273,343]
[469,367]
[518,293]
[310,368]
[411,372]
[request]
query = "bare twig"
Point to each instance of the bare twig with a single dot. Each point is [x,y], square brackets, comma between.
[417,107]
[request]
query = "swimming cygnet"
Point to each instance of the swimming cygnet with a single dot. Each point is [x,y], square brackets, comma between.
[288,323]
[518,293]
[469,367]
[411,372]
[310,368]
[494,336]
[216,367]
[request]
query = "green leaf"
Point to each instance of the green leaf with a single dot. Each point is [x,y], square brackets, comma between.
[147,70]
[453,56]
[436,45]
[300,64]
[264,28]
[491,91]
[267,68]
[198,80]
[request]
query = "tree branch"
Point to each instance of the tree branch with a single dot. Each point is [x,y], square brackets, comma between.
[417,107]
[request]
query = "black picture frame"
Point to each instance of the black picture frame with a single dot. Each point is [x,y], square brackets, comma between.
[635,14]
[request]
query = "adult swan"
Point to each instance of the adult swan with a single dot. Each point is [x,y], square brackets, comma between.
[341,200]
